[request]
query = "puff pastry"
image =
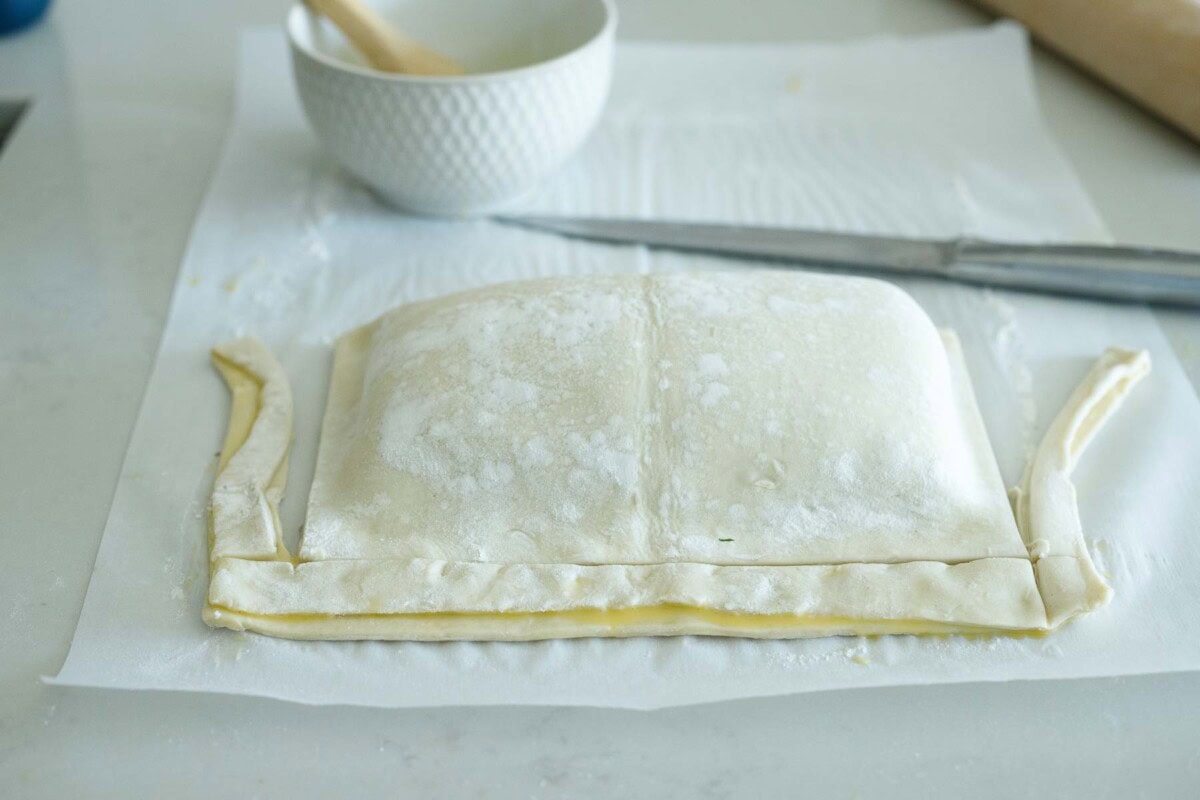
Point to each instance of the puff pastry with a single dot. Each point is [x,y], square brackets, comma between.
[761,454]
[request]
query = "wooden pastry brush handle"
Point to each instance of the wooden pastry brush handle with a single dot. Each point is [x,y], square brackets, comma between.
[384,47]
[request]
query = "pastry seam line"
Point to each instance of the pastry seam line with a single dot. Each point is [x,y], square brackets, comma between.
[749,565]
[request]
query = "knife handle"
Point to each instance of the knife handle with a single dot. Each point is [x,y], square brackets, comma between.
[1144,274]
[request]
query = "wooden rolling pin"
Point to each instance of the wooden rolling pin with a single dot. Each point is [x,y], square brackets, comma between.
[385,48]
[1149,50]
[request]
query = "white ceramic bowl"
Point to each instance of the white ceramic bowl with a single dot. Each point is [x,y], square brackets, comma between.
[539,75]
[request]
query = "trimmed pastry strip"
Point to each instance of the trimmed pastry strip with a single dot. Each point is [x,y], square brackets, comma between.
[663,620]
[987,593]
[252,470]
[1045,503]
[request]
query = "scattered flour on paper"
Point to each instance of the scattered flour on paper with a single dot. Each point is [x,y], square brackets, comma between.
[1010,348]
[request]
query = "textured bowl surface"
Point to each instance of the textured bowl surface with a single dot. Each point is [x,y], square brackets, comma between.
[460,145]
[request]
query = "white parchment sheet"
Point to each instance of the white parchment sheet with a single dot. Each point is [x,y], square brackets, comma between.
[930,136]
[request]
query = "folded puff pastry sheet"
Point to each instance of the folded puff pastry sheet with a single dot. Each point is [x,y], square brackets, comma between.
[762,454]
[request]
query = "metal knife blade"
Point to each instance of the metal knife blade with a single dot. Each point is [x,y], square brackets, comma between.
[1135,274]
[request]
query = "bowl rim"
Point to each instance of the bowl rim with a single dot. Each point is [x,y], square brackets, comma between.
[299,10]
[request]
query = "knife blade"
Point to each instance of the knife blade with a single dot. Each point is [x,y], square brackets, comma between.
[1132,274]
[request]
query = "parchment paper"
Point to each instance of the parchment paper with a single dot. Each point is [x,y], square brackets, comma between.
[932,136]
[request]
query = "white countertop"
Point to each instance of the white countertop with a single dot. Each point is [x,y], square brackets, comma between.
[98,189]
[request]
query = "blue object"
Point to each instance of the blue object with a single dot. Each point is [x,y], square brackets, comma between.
[16,15]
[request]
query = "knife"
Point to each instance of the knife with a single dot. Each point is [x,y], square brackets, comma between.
[1134,274]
